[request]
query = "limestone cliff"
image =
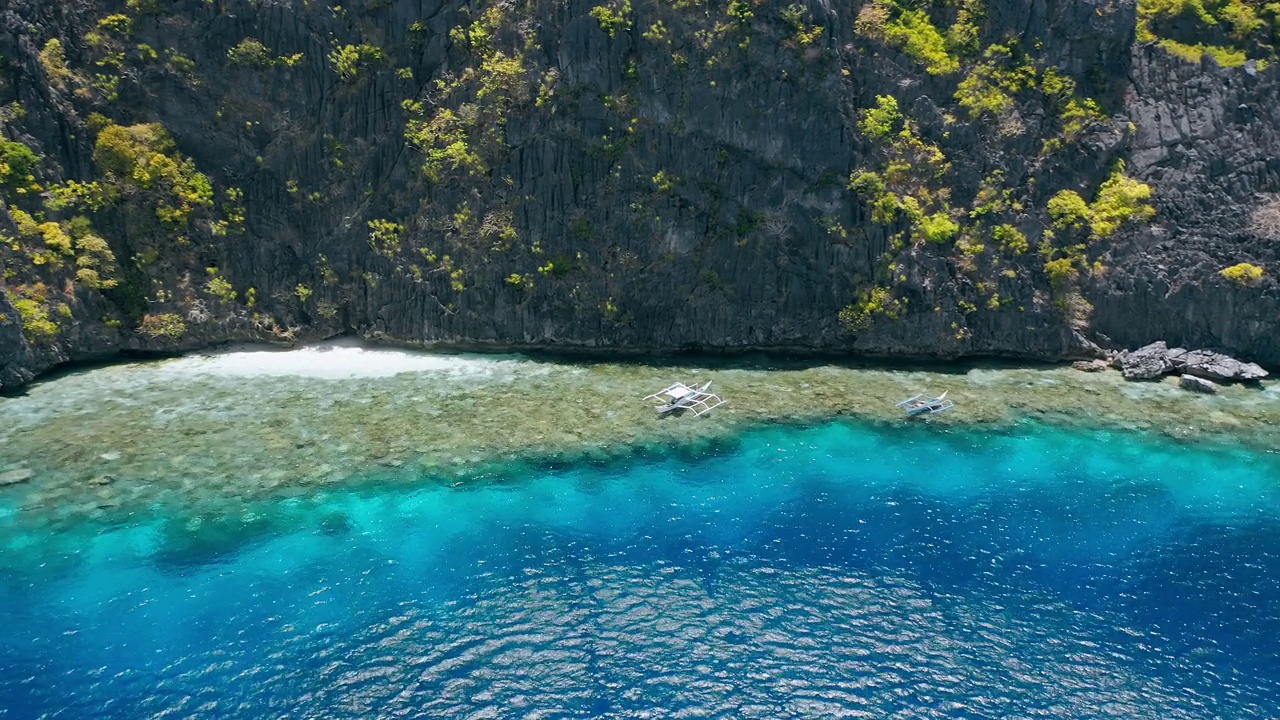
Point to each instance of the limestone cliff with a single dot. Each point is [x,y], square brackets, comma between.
[932,180]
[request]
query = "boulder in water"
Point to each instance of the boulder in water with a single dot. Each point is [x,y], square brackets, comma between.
[1214,366]
[13,477]
[1152,361]
[1196,384]
[1090,366]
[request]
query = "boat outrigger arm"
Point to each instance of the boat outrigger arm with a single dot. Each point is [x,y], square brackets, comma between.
[684,397]
[922,404]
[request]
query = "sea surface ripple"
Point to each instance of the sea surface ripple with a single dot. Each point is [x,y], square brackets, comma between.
[832,571]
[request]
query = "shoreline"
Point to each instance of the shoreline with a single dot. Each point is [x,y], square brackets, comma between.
[706,355]
[229,424]
[710,357]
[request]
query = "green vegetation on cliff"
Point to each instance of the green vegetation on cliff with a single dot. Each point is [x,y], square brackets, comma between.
[57,255]
[140,166]
[47,249]
[1231,31]
[905,186]
[910,28]
[1120,200]
[915,184]
[613,18]
[876,302]
[758,170]
[17,167]
[1243,274]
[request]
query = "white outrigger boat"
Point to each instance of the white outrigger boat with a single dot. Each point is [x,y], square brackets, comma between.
[684,397]
[925,404]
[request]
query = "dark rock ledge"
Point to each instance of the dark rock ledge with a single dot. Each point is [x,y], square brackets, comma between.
[1158,359]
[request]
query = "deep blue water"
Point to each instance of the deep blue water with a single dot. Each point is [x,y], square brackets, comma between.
[836,571]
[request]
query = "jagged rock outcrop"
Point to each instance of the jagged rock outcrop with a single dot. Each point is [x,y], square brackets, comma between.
[1158,359]
[1215,366]
[643,177]
[1146,363]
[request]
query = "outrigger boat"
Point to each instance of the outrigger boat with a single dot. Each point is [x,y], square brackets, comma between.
[925,404]
[684,397]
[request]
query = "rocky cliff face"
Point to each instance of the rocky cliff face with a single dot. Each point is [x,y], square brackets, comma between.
[1207,139]
[16,363]
[927,180]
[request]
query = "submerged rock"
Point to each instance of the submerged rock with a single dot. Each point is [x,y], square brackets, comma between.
[335,523]
[13,477]
[1196,384]
[1090,366]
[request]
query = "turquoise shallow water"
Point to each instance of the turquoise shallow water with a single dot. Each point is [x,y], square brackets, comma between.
[838,570]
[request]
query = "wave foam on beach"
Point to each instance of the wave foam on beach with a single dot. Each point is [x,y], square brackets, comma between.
[336,360]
